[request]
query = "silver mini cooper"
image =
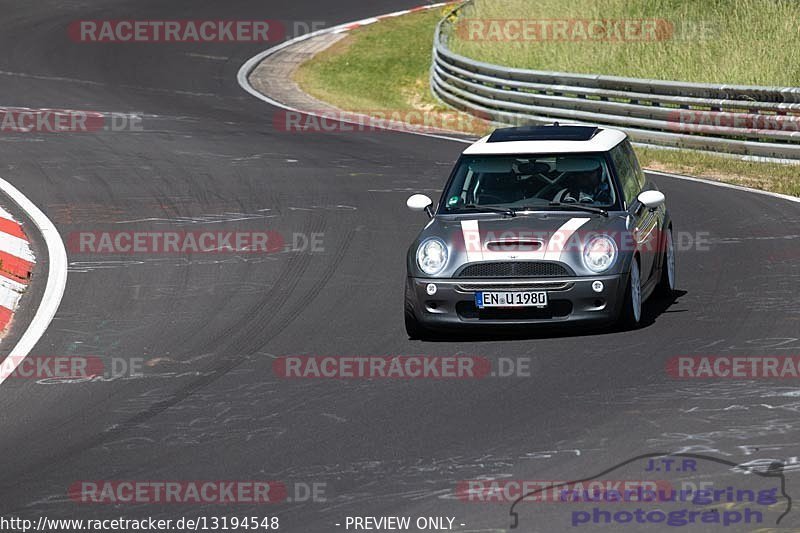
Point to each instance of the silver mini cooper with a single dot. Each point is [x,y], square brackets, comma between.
[540,225]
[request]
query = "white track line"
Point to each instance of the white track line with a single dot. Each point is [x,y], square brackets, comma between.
[252,63]
[56,278]
[726,185]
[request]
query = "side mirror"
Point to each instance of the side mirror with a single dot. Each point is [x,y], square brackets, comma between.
[420,202]
[652,199]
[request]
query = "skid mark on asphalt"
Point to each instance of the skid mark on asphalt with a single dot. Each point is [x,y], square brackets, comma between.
[242,338]
[324,207]
[203,219]
[173,209]
[178,292]
[549,454]
[209,417]
[183,262]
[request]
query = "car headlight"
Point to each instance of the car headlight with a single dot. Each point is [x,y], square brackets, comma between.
[432,256]
[599,253]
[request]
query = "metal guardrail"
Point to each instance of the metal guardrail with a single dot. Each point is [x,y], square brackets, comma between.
[737,119]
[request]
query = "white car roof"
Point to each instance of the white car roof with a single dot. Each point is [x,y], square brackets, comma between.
[601,141]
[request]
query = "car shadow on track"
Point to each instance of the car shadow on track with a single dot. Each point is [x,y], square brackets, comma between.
[658,305]
[654,308]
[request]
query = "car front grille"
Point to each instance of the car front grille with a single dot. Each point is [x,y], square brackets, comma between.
[517,269]
[515,286]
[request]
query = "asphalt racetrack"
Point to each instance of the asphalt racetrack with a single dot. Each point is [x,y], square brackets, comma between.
[206,328]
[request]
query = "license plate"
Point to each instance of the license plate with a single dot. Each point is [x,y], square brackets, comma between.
[510,299]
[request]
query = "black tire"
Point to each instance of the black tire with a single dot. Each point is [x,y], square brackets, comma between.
[666,283]
[629,319]
[414,329]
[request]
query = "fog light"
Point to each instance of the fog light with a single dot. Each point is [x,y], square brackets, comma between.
[431,289]
[597,286]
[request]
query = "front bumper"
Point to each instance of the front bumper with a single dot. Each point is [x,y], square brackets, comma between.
[570,299]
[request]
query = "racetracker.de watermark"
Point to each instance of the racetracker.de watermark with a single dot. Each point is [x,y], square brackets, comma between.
[698,121]
[174,31]
[399,367]
[542,491]
[148,242]
[371,121]
[69,367]
[188,30]
[585,30]
[522,240]
[47,120]
[179,492]
[734,367]
[196,492]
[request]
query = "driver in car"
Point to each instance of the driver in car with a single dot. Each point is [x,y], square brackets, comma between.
[588,187]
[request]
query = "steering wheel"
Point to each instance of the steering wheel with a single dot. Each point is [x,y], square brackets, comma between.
[561,197]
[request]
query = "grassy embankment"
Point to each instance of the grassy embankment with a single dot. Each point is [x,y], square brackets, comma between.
[385,66]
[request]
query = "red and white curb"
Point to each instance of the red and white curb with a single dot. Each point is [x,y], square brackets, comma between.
[16,263]
[17,260]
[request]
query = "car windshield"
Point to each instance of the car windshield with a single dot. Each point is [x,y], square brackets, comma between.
[530,182]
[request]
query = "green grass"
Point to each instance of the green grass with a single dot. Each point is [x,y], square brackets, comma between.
[784,179]
[754,42]
[382,66]
[385,66]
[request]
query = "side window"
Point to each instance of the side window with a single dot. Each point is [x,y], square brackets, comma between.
[626,171]
[637,169]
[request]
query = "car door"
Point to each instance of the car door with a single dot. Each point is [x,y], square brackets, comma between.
[644,222]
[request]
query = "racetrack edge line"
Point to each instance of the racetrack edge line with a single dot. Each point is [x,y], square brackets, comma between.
[247,68]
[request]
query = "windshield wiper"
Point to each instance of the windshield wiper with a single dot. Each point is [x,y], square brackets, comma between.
[502,210]
[581,207]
